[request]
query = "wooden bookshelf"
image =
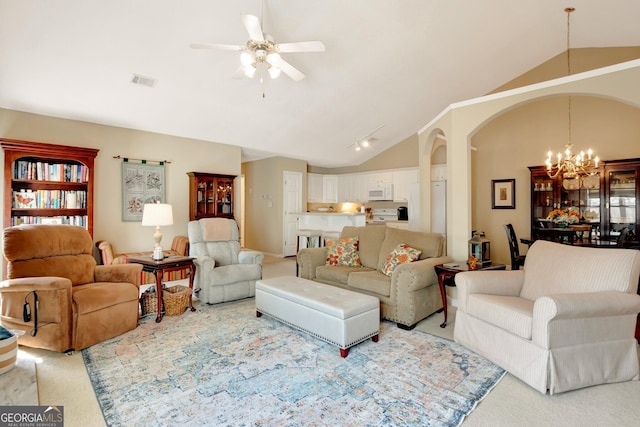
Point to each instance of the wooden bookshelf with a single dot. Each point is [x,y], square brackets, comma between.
[48,183]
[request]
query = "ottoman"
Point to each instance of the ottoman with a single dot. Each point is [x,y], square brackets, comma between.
[337,316]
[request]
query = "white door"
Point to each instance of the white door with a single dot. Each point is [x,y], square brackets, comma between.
[439,207]
[292,206]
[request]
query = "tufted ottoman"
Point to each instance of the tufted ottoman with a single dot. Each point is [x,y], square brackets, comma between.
[337,316]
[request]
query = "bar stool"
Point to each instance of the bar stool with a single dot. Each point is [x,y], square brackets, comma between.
[329,235]
[312,239]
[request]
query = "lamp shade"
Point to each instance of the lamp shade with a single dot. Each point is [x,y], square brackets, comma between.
[157,214]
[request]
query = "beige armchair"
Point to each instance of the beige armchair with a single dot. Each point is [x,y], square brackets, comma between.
[223,271]
[566,321]
[57,295]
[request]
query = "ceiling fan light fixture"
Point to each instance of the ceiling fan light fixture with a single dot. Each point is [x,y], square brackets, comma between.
[250,71]
[274,72]
[246,59]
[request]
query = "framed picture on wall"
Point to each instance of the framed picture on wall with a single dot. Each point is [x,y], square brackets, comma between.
[503,193]
[141,183]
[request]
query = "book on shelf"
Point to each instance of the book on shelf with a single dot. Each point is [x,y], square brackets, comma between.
[44,171]
[80,220]
[50,199]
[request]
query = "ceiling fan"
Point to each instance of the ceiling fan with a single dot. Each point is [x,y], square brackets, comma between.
[262,51]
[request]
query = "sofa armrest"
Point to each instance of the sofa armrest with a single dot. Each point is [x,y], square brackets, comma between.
[123,273]
[310,258]
[416,275]
[572,310]
[248,256]
[490,282]
[28,284]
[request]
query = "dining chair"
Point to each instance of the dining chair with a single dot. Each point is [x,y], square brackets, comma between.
[517,260]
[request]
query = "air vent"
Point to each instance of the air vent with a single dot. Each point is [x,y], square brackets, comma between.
[143,80]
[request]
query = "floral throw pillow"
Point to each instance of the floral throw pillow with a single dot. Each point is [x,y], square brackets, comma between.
[343,252]
[402,254]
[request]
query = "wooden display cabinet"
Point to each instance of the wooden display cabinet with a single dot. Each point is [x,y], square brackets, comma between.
[210,195]
[608,200]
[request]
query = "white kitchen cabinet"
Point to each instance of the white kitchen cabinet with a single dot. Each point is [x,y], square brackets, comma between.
[379,179]
[330,189]
[358,187]
[344,188]
[438,172]
[315,188]
[402,179]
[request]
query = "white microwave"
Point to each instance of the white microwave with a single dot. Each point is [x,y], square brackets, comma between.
[382,192]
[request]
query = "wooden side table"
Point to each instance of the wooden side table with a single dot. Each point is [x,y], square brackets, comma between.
[446,274]
[158,268]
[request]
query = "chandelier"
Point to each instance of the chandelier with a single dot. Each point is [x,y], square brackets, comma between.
[568,164]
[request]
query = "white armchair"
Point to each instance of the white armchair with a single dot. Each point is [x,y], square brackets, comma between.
[566,321]
[223,271]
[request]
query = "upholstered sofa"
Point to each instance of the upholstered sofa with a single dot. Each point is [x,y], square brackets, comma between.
[224,271]
[566,321]
[72,302]
[409,295]
[179,246]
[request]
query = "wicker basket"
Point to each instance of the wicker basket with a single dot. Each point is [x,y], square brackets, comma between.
[148,303]
[175,299]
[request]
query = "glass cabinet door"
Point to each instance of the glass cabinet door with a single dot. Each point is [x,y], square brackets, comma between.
[621,203]
[542,196]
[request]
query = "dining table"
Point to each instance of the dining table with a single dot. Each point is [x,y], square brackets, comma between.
[569,237]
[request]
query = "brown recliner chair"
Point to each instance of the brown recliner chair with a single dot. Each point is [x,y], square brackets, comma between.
[57,294]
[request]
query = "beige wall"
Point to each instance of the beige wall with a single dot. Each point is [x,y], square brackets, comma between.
[583,59]
[402,155]
[184,154]
[264,201]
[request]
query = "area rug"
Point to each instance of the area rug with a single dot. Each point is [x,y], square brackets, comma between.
[224,366]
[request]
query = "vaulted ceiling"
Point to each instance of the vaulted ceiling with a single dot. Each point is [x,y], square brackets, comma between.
[390,65]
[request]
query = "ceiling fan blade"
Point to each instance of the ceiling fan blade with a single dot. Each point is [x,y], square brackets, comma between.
[217,46]
[287,68]
[252,24]
[313,46]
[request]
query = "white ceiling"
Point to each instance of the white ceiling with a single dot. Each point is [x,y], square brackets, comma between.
[390,63]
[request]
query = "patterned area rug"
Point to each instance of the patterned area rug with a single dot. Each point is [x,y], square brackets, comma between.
[224,366]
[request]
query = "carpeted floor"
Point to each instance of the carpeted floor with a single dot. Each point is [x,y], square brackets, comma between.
[224,366]
[63,381]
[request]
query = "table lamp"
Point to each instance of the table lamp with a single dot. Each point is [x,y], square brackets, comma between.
[156,215]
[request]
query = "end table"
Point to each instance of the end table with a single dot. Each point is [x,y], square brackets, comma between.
[158,268]
[447,272]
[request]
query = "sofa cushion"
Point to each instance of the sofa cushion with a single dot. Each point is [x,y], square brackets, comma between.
[431,244]
[370,239]
[513,314]
[401,254]
[343,251]
[371,281]
[337,273]
[554,268]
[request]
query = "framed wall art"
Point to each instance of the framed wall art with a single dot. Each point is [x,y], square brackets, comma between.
[503,194]
[141,183]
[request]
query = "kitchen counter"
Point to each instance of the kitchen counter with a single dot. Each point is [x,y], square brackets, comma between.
[330,221]
[331,213]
